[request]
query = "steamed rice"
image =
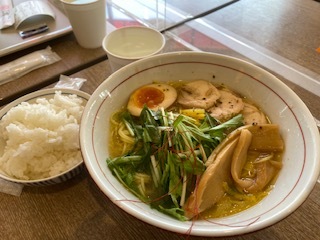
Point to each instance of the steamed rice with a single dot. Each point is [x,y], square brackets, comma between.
[42,138]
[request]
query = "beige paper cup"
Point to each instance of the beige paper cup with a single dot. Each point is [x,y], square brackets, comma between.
[88,21]
[128,44]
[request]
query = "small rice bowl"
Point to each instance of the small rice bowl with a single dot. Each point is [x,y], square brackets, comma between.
[40,139]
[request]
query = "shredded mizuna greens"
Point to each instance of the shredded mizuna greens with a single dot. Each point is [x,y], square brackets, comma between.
[169,152]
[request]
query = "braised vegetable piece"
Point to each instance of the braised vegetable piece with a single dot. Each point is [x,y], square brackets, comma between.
[231,157]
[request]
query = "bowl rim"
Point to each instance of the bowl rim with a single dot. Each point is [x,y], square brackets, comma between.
[267,222]
[132,28]
[32,96]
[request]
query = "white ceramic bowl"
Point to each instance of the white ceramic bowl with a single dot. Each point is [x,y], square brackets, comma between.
[45,93]
[301,163]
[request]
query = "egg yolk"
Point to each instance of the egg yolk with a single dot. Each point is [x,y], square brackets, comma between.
[150,96]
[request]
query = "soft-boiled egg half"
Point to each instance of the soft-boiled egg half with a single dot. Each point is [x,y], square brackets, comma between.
[154,96]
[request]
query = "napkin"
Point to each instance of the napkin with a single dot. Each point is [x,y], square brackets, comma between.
[6,14]
[25,64]
[10,187]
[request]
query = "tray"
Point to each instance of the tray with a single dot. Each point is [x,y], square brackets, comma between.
[10,40]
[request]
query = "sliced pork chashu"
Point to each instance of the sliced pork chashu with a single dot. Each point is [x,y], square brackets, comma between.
[252,115]
[227,106]
[198,94]
[227,161]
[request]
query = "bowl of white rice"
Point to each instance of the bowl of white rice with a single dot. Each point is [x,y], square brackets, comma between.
[39,141]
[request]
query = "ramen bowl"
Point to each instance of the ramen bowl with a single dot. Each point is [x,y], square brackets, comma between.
[297,126]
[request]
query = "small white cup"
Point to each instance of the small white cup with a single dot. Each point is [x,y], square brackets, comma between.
[88,21]
[128,44]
